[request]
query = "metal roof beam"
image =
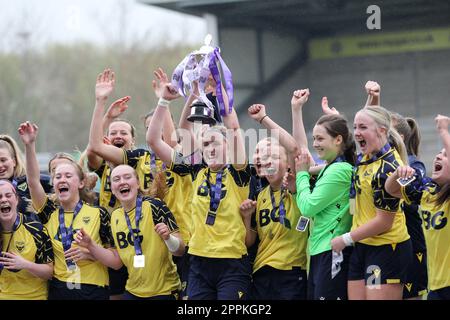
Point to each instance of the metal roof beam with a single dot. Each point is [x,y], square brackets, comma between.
[201,3]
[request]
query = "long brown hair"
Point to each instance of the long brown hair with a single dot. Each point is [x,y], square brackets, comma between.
[336,125]
[444,194]
[409,129]
[158,188]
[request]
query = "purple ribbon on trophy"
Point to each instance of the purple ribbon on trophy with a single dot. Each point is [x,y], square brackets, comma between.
[197,66]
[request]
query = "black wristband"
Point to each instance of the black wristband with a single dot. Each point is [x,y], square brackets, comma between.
[260,121]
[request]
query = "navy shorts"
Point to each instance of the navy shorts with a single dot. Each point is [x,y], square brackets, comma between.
[130,296]
[219,278]
[416,276]
[60,290]
[274,284]
[117,280]
[385,264]
[182,264]
[440,294]
[327,279]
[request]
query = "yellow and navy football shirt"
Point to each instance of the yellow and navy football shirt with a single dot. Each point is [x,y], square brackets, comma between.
[371,195]
[31,241]
[179,186]
[178,200]
[226,237]
[23,191]
[436,229]
[106,199]
[140,160]
[280,247]
[159,276]
[95,221]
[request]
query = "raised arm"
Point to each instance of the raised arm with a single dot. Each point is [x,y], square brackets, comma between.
[168,132]
[103,88]
[442,123]
[373,93]
[238,154]
[186,131]
[28,133]
[299,98]
[114,111]
[187,127]
[166,93]
[258,113]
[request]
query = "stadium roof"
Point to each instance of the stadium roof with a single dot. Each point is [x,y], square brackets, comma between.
[315,17]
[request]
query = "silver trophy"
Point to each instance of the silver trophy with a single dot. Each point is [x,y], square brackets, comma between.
[201,112]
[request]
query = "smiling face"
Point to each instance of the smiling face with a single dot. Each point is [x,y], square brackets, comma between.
[67,183]
[214,149]
[120,135]
[270,160]
[368,135]
[124,184]
[7,164]
[326,146]
[441,168]
[8,202]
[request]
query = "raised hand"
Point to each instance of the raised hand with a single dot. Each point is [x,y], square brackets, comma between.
[257,111]
[247,208]
[160,81]
[162,87]
[299,98]
[326,109]
[372,88]
[118,107]
[28,132]
[166,91]
[442,123]
[104,85]
[162,230]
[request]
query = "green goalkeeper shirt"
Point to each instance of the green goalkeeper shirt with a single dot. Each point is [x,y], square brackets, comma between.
[327,204]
